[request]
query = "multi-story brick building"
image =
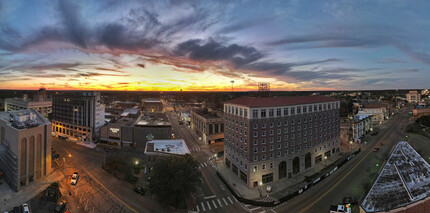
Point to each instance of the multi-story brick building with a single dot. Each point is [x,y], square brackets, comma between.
[272,138]
[208,125]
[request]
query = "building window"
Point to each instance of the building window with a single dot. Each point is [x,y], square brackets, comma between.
[271,156]
[285,111]
[254,113]
[245,113]
[263,133]
[255,157]
[279,154]
[286,123]
[271,165]
[263,157]
[292,150]
[240,113]
[271,132]
[293,111]
[286,144]
[263,141]
[271,147]
[267,178]
[299,110]
[255,126]
[255,134]
[263,166]
[272,124]
[278,112]
[255,168]
[263,125]
[255,150]
[263,113]
[263,149]
[271,113]
[304,109]
[255,142]
[315,108]
[279,124]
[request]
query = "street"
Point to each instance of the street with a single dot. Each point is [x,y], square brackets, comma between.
[97,190]
[354,178]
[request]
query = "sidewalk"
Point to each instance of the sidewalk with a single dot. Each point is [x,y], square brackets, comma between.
[10,198]
[279,188]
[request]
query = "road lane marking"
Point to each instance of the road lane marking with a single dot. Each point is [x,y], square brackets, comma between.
[230,200]
[254,208]
[219,202]
[209,206]
[203,206]
[235,199]
[213,202]
[197,207]
[225,202]
[208,197]
[205,163]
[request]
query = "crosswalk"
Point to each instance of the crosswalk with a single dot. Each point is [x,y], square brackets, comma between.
[205,164]
[214,203]
[259,209]
[196,149]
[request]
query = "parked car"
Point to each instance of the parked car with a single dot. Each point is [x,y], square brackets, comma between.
[375,149]
[350,200]
[55,156]
[60,206]
[374,133]
[25,208]
[75,178]
[139,190]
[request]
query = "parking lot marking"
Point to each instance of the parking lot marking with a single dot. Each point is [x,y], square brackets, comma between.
[219,202]
[203,206]
[205,163]
[213,202]
[209,206]
[197,207]
[235,199]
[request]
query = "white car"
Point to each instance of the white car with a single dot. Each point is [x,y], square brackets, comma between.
[25,208]
[75,178]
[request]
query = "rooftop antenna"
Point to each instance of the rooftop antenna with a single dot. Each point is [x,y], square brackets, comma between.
[232,82]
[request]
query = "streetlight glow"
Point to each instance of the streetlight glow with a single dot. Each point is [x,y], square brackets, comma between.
[70,155]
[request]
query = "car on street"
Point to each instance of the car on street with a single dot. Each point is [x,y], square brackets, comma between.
[60,206]
[139,190]
[350,200]
[75,178]
[181,122]
[340,208]
[25,208]
[55,156]
[375,149]
[374,133]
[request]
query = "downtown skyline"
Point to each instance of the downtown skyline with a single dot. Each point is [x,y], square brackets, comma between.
[203,45]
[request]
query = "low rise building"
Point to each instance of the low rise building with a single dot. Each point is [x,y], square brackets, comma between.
[378,114]
[362,124]
[156,149]
[420,110]
[208,125]
[152,105]
[413,97]
[41,103]
[134,130]
[25,147]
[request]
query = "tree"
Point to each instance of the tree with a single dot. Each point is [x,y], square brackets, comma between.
[174,179]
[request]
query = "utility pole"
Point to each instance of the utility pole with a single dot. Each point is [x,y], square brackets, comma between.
[232,82]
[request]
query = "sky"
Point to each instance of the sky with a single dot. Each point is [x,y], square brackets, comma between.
[204,45]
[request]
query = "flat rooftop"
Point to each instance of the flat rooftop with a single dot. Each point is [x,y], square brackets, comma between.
[176,146]
[23,119]
[152,119]
[206,114]
[405,179]
[279,101]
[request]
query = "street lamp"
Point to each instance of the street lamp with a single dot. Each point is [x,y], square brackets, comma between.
[136,162]
[325,160]
[350,147]
[64,165]
[70,155]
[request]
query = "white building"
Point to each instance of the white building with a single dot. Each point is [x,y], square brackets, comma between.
[362,124]
[379,114]
[413,97]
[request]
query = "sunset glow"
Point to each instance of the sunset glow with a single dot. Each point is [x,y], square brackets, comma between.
[203,45]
